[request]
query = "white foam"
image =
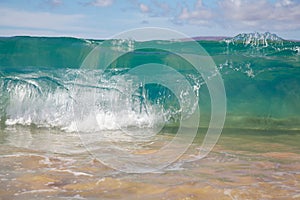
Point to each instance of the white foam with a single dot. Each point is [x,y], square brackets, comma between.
[88,103]
[73,172]
[36,191]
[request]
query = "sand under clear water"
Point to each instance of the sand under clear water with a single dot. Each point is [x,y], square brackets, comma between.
[245,164]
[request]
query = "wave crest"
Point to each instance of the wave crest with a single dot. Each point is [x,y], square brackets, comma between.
[79,100]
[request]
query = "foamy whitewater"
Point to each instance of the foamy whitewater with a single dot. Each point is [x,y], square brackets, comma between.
[38,98]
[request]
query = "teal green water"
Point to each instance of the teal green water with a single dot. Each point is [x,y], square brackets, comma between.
[261,78]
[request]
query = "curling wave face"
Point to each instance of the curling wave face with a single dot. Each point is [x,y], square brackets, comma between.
[84,100]
[41,83]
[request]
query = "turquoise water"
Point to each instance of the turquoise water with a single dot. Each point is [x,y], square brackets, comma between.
[261,77]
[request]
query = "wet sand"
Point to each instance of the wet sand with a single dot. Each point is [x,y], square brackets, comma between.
[245,164]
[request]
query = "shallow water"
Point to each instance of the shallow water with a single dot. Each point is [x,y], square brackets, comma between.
[40,163]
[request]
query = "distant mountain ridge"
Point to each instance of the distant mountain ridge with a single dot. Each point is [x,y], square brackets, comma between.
[210,38]
[247,38]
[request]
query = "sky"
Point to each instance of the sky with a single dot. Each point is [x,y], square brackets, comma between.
[100,19]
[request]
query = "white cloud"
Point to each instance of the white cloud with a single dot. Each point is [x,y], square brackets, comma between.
[38,20]
[260,15]
[244,11]
[199,15]
[284,3]
[54,3]
[144,8]
[101,3]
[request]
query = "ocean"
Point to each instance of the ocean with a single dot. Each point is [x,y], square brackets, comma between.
[127,119]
